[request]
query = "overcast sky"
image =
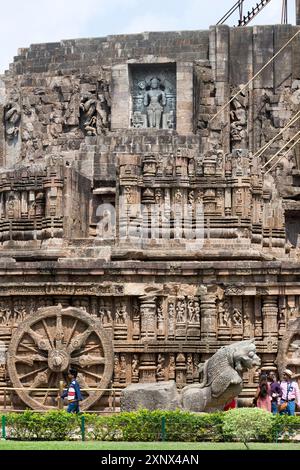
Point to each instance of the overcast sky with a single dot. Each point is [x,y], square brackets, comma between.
[24,22]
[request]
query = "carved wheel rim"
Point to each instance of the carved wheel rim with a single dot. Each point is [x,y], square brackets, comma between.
[45,345]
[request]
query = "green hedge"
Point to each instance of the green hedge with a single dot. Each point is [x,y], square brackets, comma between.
[242,424]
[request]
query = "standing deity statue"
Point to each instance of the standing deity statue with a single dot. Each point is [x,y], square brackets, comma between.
[155,100]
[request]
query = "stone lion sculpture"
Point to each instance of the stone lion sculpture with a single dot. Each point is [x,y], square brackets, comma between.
[222,381]
[222,377]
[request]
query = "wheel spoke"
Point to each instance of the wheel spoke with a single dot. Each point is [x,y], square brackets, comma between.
[33,372]
[92,374]
[30,359]
[47,333]
[39,340]
[72,332]
[29,348]
[49,386]
[91,348]
[59,334]
[79,340]
[87,361]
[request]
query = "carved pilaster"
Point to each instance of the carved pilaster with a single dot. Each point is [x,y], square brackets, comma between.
[208,316]
[161,316]
[270,315]
[180,370]
[148,317]
[147,368]
[136,321]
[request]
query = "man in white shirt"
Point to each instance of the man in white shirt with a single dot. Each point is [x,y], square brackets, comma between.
[290,393]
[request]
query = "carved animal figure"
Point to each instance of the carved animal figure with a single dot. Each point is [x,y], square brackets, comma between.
[222,377]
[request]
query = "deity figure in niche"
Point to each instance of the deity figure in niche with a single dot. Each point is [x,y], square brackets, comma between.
[155,100]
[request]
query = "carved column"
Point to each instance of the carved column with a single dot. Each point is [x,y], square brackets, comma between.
[180,370]
[270,316]
[148,317]
[270,329]
[227,201]
[24,206]
[148,368]
[208,316]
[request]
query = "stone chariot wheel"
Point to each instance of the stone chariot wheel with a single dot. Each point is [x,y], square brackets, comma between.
[52,340]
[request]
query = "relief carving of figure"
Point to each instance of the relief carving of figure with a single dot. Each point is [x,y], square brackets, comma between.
[72,113]
[5,314]
[236,317]
[238,117]
[160,373]
[191,310]
[196,311]
[171,314]
[121,315]
[88,112]
[155,100]
[180,310]
[135,366]
[103,108]
[123,367]
[117,368]
[106,316]
[12,117]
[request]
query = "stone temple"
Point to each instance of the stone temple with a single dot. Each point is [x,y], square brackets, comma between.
[140,230]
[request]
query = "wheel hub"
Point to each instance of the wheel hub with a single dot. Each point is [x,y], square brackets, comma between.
[58,360]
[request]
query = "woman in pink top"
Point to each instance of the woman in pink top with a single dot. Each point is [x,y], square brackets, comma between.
[262,396]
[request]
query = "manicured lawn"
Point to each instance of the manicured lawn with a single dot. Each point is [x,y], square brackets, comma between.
[94,445]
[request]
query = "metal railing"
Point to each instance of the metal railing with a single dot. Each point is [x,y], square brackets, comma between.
[111,399]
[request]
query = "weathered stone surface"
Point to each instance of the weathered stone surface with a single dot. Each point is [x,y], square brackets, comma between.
[173,236]
[161,395]
[222,377]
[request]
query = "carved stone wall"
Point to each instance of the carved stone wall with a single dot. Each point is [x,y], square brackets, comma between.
[130,201]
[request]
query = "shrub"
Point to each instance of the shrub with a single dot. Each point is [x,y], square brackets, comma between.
[248,424]
[50,426]
[145,425]
[241,424]
[285,427]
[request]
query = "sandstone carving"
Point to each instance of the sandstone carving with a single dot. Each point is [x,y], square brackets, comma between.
[124,196]
[222,376]
[45,345]
[12,116]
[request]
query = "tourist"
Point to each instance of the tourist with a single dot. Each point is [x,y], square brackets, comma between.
[275,391]
[72,392]
[290,394]
[262,396]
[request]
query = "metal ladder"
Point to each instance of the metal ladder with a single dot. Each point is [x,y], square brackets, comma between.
[244,19]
